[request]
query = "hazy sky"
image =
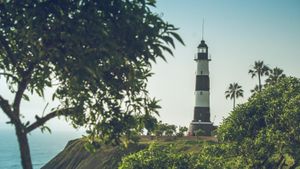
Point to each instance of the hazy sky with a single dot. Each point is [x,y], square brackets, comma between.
[237,33]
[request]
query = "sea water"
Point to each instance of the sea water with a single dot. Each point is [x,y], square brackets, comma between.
[43,147]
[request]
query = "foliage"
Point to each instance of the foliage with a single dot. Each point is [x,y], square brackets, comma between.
[199,132]
[264,132]
[234,91]
[158,156]
[259,69]
[181,131]
[96,54]
[218,155]
[255,89]
[275,75]
[164,129]
[170,130]
[149,122]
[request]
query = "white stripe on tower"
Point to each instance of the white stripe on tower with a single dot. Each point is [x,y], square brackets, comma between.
[202,99]
[202,67]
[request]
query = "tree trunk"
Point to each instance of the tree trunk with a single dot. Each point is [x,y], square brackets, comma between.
[233,102]
[259,82]
[23,146]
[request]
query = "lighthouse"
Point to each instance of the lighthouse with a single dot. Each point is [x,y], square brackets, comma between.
[201,120]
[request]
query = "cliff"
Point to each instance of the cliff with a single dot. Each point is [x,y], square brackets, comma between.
[74,155]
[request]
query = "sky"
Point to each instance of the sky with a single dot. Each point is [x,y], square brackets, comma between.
[237,33]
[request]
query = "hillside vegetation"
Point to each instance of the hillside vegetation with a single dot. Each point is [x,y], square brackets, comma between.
[261,133]
[75,155]
[264,132]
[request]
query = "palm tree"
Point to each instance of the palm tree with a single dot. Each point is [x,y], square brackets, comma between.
[275,75]
[234,91]
[259,69]
[255,90]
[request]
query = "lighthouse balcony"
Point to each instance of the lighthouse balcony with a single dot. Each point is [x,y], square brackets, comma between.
[201,122]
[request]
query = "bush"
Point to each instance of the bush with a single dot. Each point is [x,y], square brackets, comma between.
[261,133]
[158,156]
[264,132]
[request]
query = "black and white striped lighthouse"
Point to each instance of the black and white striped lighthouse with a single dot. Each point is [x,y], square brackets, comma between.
[201,118]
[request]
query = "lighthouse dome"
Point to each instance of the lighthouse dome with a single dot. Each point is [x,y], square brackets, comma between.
[202,44]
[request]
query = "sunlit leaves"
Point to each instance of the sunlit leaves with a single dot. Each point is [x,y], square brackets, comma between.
[158,156]
[266,128]
[261,133]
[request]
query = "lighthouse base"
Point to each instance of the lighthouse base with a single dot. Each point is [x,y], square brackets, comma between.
[201,129]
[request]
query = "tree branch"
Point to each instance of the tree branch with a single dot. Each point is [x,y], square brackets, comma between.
[10,75]
[22,85]
[21,88]
[7,109]
[41,121]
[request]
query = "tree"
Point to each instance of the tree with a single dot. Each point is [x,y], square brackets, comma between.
[159,129]
[275,75]
[233,92]
[182,131]
[149,122]
[97,55]
[264,132]
[261,133]
[170,130]
[164,129]
[259,69]
[255,90]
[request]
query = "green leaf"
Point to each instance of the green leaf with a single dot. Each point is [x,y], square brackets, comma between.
[45,129]
[174,34]
[25,97]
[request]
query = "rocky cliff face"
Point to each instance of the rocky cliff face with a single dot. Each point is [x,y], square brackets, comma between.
[74,156]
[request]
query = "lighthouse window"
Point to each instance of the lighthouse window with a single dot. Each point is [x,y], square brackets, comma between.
[201,92]
[202,50]
[201,72]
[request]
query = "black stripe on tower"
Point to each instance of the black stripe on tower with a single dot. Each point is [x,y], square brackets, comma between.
[202,82]
[201,114]
[202,56]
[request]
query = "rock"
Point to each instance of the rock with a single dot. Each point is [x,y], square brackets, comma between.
[75,156]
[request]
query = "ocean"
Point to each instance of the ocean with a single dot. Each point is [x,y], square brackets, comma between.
[43,147]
